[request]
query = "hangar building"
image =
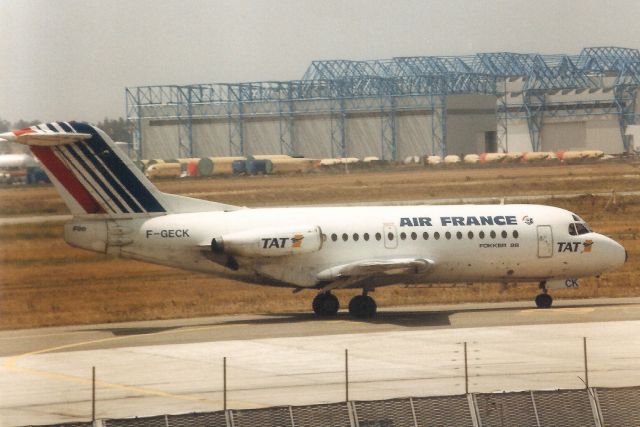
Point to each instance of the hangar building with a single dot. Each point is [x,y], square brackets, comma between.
[393,108]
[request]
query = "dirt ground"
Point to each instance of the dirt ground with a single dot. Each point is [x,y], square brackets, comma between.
[44,282]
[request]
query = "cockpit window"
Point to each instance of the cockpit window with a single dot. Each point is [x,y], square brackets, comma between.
[582,228]
[578,228]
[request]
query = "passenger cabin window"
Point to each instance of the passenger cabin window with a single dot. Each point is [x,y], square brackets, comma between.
[378,236]
[414,236]
[366,237]
[356,237]
[334,237]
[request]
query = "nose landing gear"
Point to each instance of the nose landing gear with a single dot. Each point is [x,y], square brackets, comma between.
[544,300]
[362,306]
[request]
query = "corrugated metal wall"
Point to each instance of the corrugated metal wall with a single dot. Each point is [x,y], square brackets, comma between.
[263,125]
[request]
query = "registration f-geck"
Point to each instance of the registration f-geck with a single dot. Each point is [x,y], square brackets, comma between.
[118,211]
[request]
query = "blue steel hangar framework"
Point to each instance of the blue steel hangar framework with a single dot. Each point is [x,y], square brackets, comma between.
[384,88]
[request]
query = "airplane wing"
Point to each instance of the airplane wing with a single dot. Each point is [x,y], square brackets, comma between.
[374,267]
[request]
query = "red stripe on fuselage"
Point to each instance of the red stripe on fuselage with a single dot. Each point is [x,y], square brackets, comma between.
[67,179]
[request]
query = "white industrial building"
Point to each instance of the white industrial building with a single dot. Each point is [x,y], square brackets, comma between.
[488,102]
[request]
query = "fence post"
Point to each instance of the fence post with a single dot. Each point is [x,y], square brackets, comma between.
[586,366]
[346,374]
[466,370]
[93,394]
[224,383]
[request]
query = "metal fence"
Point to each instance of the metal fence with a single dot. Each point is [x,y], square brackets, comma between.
[597,407]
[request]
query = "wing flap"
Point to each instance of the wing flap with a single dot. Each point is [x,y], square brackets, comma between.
[396,266]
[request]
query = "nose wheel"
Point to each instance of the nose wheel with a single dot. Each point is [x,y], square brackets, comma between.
[544,300]
[362,306]
[326,304]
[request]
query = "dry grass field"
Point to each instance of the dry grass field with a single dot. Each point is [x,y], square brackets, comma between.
[45,282]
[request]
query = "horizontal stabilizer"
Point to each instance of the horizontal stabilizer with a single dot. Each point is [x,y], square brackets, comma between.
[44,139]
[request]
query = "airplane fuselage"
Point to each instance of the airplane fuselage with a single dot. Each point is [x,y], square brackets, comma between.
[464,243]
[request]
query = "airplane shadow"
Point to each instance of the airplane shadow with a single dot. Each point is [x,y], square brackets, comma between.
[408,319]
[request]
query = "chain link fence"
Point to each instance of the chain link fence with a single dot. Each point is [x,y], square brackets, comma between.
[593,407]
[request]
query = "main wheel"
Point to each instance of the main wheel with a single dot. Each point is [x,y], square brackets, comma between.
[544,301]
[362,306]
[326,304]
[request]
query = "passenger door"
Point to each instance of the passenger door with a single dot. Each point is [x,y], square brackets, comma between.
[545,241]
[390,236]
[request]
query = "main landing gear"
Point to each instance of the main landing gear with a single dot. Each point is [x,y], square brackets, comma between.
[544,300]
[326,304]
[362,306]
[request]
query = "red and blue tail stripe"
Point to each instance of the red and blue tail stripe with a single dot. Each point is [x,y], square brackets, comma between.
[99,178]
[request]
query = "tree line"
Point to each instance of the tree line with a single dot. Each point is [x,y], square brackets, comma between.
[117,129]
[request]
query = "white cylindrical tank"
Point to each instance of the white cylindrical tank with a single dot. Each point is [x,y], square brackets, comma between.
[471,158]
[411,159]
[451,159]
[513,156]
[370,159]
[536,156]
[349,160]
[164,170]
[492,157]
[433,160]
[329,162]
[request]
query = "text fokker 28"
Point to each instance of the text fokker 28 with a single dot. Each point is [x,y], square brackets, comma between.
[116,210]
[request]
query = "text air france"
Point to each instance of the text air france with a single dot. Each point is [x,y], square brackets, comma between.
[460,221]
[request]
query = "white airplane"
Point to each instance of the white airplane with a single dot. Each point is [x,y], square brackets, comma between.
[14,167]
[17,161]
[118,211]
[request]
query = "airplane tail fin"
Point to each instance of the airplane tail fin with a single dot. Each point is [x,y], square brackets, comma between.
[93,176]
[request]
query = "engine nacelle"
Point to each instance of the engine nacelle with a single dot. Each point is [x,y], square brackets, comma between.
[270,242]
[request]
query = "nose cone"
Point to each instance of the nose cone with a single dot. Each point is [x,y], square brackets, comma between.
[614,255]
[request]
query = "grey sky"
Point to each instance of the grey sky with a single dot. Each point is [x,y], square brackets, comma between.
[72,59]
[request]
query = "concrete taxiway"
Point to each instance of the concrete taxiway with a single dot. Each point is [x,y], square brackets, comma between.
[149,368]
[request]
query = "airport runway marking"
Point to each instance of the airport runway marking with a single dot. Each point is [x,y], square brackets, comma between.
[26,337]
[563,310]
[10,364]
